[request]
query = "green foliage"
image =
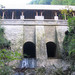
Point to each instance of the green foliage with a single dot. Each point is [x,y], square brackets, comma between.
[72,47]
[57,2]
[34,2]
[53,2]
[6,56]
[59,71]
[41,71]
[69,44]
[63,2]
[68,2]
[4,43]
[44,2]
[69,40]
[67,12]
[71,24]
[6,70]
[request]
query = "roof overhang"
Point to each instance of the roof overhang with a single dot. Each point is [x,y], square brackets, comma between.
[42,7]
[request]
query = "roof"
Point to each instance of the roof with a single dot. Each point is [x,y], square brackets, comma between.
[44,7]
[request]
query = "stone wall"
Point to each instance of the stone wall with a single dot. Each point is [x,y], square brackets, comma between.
[29,34]
[60,34]
[15,35]
[38,32]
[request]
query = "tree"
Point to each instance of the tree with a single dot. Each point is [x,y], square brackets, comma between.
[53,2]
[34,2]
[66,13]
[63,2]
[69,43]
[48,2]
[68,2]
[57,2]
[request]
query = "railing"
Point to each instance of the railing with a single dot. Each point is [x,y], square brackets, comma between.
[34,22]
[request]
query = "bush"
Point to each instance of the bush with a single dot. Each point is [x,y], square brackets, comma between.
[6,56]
[72,47]
[69,43]
[4,43]
[69,40]
[71,24]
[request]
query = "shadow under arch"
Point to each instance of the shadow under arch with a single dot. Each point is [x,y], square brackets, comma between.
[29,50]
[51,49]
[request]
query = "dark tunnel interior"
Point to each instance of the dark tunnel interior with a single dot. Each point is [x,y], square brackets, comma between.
[29,50]
[51,49]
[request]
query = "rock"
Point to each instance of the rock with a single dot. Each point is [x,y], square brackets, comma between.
[73,73]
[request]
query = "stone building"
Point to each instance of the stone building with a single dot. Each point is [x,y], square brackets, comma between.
[37,31]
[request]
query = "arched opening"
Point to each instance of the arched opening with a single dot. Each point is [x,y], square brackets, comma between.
[29,50]
[51,49]
[29,53]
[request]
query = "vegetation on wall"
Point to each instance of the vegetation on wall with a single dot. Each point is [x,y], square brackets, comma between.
[4,43]
[69,40]
[6,55]
[71,24]
[69,43]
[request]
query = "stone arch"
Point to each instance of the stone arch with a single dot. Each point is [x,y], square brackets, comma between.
[51,49]
[29,49]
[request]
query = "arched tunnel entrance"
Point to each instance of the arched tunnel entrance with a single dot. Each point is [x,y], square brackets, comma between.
[29,50]
[51,49]
[29,54]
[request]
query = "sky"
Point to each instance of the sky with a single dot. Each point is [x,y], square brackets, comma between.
[14,3]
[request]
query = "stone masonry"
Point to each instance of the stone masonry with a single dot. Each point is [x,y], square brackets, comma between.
[39,32]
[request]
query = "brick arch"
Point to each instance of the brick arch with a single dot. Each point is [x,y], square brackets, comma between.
[51,49]
[29,49]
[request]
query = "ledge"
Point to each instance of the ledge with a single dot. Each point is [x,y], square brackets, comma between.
[33,22]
